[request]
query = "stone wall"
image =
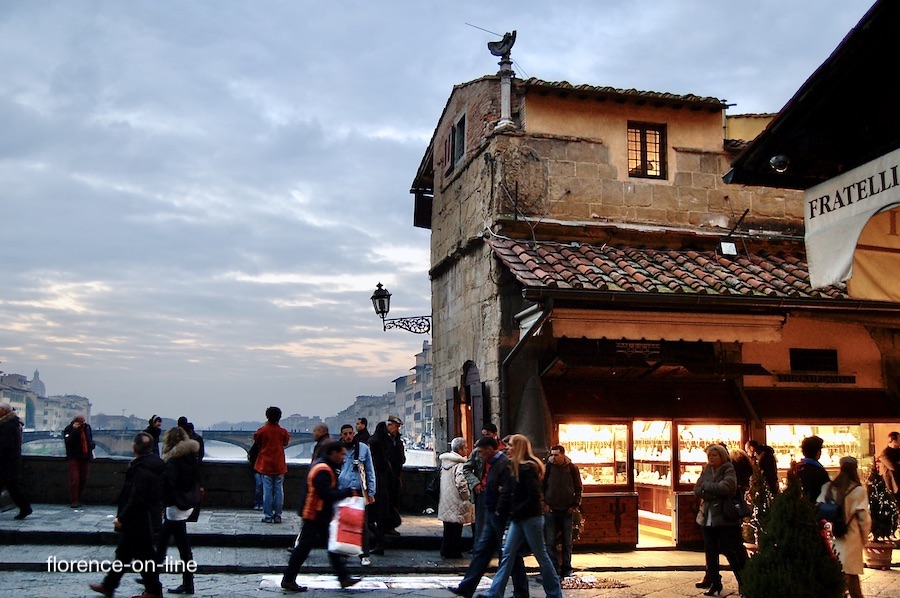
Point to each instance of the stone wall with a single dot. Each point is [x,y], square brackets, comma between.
[227,484]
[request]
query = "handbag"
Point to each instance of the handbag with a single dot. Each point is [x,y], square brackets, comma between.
[736,508]
[345,532]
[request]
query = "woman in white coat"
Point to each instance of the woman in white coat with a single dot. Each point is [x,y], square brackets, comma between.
[454,508]
[850,492]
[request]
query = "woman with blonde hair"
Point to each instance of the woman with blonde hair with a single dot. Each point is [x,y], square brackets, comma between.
[717,485]
[847,490]
[523,501]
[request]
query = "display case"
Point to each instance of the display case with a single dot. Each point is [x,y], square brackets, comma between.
[653,453]
[839,441]
[599,450]
[693,439]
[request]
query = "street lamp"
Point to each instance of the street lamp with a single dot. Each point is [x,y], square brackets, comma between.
[381,301]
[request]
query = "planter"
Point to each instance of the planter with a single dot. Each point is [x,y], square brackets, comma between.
[878,555]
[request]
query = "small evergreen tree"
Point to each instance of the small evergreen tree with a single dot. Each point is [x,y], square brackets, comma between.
[793,559]
[882,507]
[761,502]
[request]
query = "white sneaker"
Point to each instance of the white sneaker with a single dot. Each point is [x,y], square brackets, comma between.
[365,561]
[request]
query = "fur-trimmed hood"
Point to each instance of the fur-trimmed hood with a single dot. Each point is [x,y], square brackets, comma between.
[183,448]
[12,415]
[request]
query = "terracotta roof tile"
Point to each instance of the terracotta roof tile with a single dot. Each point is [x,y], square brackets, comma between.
[580,266]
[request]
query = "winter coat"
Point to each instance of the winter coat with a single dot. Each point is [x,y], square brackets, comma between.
[714,487]
[473,469]
[454,505]
[10,447]
[889,468]
[182,477]
[812,477]
[521,497]
[849,548]
[562,486]
[272,439]
[76,439]
[140,502]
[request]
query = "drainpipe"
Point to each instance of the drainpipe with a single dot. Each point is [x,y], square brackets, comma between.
[504,367]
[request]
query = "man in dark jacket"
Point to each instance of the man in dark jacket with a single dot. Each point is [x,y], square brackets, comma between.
[362,430]
[79,441]
[812,475]
[138,518]
[321,494]
[11,459]
[388,456]
[188,427]
[496,476]
[562,497]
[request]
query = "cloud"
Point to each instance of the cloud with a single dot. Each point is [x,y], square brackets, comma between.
[199,198]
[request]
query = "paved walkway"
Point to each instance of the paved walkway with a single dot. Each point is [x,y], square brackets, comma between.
[240,556]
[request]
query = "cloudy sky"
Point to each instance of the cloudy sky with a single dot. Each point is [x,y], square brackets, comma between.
[198,198]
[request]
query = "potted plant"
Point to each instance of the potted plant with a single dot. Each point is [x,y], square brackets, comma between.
[885,518]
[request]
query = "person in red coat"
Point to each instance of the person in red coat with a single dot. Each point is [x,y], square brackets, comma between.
[271,464]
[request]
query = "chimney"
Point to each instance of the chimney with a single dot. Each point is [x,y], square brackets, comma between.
[502,49]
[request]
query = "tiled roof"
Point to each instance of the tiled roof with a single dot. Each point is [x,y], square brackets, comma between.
[632,93]
[626,269]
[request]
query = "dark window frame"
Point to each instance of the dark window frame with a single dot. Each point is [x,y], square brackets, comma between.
[647,147]
[455,144]
[814,360]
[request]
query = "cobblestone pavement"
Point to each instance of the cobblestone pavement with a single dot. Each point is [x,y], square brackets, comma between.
[647,584]
[239,556]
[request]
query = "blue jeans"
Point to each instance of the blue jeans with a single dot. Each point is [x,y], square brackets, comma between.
[486,546]
[258,490]
[273,495]
[532,531]
[558,530]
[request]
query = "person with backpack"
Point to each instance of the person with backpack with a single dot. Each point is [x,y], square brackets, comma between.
[847,491]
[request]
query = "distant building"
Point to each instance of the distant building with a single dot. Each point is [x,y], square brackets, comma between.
[37,385]
[15,390]
[414,398]
[56,412]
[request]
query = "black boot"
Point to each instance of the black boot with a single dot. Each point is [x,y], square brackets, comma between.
[714,588]
[187,585]
[703,583]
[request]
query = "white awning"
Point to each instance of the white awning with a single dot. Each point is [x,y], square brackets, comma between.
[837,210]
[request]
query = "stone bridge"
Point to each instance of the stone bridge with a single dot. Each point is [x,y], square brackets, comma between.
[118,442]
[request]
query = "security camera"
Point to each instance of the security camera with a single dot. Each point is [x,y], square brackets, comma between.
[779,163]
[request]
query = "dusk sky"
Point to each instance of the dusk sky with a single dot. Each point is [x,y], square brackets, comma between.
[198,198]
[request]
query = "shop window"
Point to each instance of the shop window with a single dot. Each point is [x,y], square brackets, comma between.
[646,150]
[600,451]
[814,360]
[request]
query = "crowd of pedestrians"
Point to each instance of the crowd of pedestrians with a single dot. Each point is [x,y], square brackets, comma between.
[515,503]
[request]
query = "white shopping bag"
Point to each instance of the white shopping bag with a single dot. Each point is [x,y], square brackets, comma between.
[345,533]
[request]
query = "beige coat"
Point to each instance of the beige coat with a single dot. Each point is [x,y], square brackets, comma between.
[454,505]
[849,548]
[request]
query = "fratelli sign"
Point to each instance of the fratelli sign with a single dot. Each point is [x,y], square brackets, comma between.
[838,210]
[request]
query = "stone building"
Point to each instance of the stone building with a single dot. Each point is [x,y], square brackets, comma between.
[596,283]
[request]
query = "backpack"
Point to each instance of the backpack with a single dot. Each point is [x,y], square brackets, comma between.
[832,511]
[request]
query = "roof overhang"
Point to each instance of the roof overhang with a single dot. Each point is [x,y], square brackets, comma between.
[843,116]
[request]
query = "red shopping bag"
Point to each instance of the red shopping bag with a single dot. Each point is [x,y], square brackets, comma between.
[345,533]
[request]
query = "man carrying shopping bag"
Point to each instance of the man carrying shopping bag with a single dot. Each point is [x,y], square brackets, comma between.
[322,493]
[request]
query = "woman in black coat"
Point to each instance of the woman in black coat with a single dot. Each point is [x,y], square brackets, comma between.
[181,495]
[716,485]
